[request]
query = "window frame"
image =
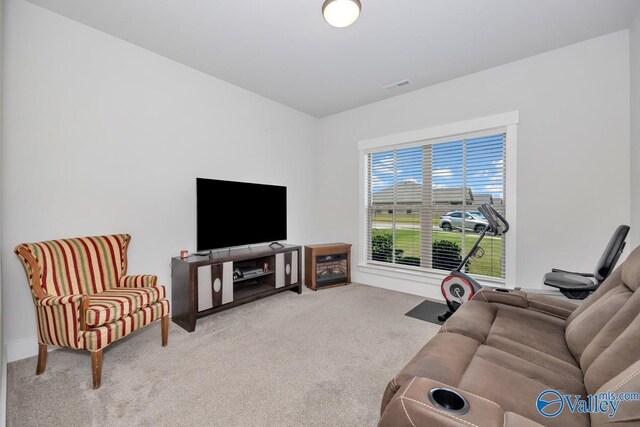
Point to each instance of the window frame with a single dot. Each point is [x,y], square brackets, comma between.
[506,123]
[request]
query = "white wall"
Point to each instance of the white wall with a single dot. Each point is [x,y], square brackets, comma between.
[635,129]
[3,359]
[573,148]
[102,136]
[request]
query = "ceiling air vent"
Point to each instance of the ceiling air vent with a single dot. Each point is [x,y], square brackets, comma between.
[397,85]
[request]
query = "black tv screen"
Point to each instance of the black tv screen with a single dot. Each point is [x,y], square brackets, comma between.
[239,213]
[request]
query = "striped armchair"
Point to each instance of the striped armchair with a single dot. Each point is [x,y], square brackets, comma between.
[83,297]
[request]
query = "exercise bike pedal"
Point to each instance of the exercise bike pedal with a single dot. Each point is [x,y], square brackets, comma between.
[444,316]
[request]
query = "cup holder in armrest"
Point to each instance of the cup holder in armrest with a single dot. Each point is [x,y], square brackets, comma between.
[448,400]
[505,290]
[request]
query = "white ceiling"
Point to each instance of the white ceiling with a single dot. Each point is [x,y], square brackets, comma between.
[283,49]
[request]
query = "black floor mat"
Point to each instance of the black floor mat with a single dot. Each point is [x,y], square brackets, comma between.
[428,311]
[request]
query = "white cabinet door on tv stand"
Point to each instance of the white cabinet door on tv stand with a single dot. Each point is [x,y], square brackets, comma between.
[286,269]
[215,285]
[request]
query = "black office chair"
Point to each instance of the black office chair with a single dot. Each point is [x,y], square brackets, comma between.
[579,285]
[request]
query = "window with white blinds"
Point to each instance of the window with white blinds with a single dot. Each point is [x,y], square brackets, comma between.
[422,204]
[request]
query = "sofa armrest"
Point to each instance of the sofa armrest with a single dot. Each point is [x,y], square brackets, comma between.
[502,296]
[411,406]
[546,304]
[139,281]
[551,305]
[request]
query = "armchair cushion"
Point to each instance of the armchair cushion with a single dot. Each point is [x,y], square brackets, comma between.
[98,338]
[114,304]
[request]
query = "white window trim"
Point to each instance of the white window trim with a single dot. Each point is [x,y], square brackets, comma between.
[507,122]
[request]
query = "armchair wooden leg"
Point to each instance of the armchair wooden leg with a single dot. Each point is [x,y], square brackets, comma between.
[42,358]
[96,368]
[165,330]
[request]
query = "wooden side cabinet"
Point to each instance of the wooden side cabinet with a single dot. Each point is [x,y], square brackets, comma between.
[327,265]
[203,285]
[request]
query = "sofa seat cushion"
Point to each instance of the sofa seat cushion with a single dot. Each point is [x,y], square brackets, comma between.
[444,358]
[528,333]
[114,304]
[515,385]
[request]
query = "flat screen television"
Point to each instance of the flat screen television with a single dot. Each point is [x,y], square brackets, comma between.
[239,213]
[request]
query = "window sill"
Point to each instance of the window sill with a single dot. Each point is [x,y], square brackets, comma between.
[432,277]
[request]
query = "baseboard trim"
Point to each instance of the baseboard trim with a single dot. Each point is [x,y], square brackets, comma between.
[3,388]
[426,288]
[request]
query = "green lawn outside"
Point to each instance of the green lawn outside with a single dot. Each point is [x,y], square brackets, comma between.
[488,265]
[403,218]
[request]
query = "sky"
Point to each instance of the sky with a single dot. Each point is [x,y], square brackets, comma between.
[484,165]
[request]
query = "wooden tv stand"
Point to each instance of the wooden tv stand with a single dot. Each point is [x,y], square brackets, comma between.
[203,285]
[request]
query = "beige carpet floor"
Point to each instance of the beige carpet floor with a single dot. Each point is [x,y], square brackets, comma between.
[316,359]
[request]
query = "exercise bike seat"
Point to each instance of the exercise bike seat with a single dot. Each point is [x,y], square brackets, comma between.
[579,285]
[567,280]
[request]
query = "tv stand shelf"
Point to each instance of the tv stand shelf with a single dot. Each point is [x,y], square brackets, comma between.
[204,284]
[250,291]
[254,276]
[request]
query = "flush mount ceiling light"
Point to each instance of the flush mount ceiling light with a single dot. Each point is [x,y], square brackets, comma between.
[341,13]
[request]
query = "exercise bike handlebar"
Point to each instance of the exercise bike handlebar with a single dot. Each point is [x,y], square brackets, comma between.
[497,223]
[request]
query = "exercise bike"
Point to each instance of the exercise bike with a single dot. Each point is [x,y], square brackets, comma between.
[458,287]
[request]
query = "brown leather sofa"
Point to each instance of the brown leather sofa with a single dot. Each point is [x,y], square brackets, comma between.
[500,351]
